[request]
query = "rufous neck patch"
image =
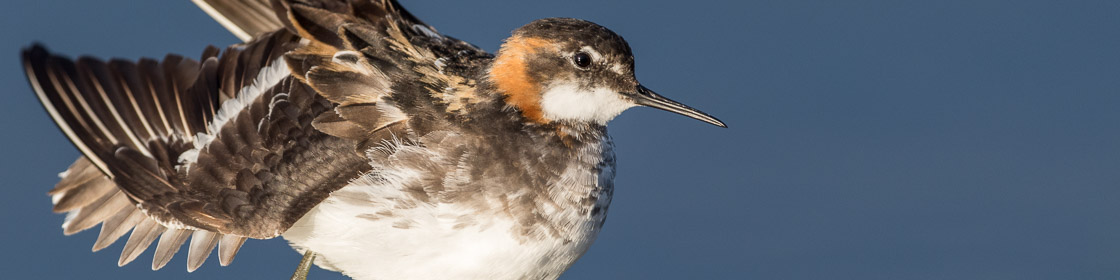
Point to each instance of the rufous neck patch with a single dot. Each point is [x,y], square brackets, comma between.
[510,75]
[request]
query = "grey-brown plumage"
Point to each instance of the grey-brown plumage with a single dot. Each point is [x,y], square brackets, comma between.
[354,107]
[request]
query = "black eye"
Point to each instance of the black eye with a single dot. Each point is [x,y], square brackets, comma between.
[582,59]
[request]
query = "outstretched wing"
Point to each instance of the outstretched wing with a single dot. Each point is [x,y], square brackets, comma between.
[244,142]
[218,149]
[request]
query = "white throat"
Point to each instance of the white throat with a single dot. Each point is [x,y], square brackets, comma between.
[568,102]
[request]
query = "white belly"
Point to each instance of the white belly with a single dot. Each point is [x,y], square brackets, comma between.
[377,232]
[423,214]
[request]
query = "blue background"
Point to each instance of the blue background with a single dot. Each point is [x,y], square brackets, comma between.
[868,140]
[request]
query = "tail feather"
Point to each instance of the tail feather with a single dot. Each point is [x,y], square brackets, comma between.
[117,226]
[168,245]
[202,243]
[96,212]
[93,199]
[83,194]
[141,238]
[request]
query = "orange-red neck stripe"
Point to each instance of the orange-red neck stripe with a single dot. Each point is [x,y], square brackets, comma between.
[510,75]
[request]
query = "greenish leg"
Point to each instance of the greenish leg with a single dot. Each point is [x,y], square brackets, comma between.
[304,266]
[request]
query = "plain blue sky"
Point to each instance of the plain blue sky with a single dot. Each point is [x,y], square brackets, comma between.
[868,140]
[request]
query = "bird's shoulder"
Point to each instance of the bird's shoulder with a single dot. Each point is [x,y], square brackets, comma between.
[388,68]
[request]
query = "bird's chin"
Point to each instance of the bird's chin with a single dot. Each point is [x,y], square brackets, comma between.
[569,102]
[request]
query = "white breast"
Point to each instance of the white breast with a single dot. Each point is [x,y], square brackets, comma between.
[371,229]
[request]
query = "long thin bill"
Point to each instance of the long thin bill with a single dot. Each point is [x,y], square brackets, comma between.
[647,97]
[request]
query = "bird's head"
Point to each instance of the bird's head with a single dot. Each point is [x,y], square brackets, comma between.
[574,71]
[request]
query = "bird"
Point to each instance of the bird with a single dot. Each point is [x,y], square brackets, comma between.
[375,145]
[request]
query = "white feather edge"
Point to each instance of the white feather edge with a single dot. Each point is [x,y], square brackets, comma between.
[266,79]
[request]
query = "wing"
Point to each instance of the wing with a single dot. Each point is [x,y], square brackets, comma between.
[215,149]
[244,18]
[244,142]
